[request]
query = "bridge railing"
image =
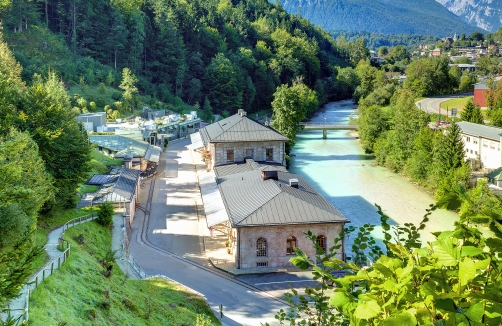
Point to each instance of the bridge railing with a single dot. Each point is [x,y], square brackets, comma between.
[327,124]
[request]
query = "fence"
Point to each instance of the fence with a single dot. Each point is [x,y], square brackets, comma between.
[22,314]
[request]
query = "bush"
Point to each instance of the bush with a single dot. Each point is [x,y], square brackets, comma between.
[105,214]
[117,96]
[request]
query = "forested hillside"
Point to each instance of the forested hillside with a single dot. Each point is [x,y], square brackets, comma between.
[375,40]
[425,17]
[234,53]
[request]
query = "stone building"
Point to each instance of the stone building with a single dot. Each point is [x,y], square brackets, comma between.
[262,208]
[238,137]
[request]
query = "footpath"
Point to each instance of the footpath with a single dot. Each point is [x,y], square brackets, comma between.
[19,306]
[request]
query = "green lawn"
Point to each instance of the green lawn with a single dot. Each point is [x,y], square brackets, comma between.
[100,162]
[79,293]
[458,103]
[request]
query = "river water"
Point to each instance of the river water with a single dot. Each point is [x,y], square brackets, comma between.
[350,180]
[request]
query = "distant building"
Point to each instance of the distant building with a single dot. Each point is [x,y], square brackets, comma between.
[250,196]
[465,67]
[482,143]
[436,52]
[136,154]
[92,121]
[480,92]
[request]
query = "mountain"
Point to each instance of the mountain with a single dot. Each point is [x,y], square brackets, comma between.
[486,14]
[426,17]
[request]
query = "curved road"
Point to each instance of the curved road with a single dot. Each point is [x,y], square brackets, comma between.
[431,105]
[165,240]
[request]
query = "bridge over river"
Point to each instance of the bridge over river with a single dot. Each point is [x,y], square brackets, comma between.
[325,126]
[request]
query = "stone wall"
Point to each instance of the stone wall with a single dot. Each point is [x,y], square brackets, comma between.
[276,237]
[219,151]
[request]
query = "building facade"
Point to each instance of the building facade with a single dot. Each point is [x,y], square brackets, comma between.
[482,143]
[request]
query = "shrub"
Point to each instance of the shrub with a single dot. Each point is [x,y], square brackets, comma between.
[116,96]
[105,214]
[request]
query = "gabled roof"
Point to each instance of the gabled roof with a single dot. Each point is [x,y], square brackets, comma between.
[122,191]
[251,201]
[478,130]
[238,128]
[100,179]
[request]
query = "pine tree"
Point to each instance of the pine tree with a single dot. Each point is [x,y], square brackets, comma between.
[477,117]
[450,150]
[466,114]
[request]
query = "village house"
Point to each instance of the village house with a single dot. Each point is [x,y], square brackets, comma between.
[482,144]
[119,187]
[250,196]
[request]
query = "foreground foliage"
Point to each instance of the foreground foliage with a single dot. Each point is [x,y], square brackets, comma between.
[455,280]
[80,293]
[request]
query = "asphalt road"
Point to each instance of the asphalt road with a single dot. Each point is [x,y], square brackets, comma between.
[172,227]
[431,105]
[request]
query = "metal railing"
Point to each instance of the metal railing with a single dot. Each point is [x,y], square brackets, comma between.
[328,124]
[48,269]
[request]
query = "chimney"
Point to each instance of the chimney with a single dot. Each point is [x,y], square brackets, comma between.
[265,175]
[241,112]
[293,183]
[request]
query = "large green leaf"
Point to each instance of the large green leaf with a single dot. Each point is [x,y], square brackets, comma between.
[466,271]
[470,251]
[339,299]
[403,319]
[367,310]
[445,305]
[445,251]
[387,273]
[476,312]
[300,262]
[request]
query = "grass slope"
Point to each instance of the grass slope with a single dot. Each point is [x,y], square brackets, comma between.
[79,293]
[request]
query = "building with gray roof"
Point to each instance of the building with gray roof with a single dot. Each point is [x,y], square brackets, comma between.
[482,144]
[262,208]
[239,137]
[119,187]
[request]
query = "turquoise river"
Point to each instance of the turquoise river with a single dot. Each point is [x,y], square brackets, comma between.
[340,170]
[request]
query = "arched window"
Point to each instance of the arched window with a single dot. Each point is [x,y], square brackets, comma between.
[291,244]
[321,242]
[261,247]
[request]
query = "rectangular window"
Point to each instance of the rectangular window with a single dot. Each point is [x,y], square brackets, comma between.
[485,143]
[230,155]
[492,145]
[262,264]
[269,154]
[468,139]
[249,153]
[471,151]
[475,142]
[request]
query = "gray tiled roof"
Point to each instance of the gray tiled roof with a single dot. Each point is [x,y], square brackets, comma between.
[475,129]
[238,128]
[250,165]
[250,201]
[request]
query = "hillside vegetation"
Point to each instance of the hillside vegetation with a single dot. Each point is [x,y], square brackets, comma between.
[234,53]
[80,293]
[425,17]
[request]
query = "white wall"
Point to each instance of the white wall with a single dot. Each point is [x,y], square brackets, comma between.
[487,150]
